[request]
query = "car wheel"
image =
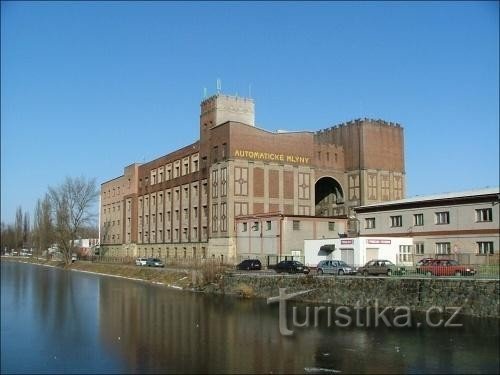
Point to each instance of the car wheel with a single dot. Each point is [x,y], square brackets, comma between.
[389,272]
[341,272]
[428,273]
[248,268]
[320,272]
[458,273]
[365,273]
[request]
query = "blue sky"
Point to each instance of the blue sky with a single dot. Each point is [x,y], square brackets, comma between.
[90,87]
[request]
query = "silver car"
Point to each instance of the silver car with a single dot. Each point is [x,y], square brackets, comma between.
[334,267]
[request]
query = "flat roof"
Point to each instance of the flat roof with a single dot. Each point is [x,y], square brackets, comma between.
[434,197]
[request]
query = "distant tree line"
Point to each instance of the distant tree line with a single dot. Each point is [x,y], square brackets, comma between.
[61,217]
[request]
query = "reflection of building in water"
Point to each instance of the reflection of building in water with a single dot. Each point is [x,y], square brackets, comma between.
[185,203]
[172,331]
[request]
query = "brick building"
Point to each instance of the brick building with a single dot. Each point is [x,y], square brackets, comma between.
[185,204]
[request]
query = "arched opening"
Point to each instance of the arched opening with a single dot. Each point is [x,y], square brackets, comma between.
[329,197]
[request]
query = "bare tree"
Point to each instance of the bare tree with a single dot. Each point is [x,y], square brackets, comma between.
[42,227]
[7,238]
[18,228]
[71,204]
[26,231]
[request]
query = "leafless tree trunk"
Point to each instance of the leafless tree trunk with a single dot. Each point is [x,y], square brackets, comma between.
[71,204]
[18,229]
[43,229]
[8,238]
[26,231]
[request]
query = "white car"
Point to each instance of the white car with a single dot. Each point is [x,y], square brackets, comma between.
[140,261]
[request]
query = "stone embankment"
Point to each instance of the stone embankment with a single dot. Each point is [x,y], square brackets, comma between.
[476,297]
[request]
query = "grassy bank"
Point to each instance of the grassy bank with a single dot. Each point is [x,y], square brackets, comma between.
[200,278]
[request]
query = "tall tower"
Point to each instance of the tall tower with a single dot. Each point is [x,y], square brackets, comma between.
[219,109]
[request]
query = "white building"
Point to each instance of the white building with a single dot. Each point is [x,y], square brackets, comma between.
[356,251]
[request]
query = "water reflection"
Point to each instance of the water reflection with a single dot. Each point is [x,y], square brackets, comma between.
[68,322]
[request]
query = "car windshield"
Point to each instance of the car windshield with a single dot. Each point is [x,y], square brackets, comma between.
[342,263]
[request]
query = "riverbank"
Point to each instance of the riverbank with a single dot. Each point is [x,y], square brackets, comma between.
[475,297]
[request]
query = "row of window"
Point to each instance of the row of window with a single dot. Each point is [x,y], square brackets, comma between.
[169,216]
[157,237]
[481,215]
[327,156]
[189,164]
[268,225]
[111,208]
[146,203]
[442,248]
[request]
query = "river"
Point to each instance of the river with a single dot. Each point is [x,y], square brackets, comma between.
[58,321]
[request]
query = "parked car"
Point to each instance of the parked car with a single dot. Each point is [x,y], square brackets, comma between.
[423,261]
[445,267]
[249,264]
[140,261]
[291,266]
[334,267]
[154,262]
[380,267]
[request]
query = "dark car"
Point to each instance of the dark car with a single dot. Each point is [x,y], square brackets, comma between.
[380,267]
[249,264]
[154,262]
[291,266]
[445,267]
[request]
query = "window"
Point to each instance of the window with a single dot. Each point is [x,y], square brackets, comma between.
[215,154]
[419,247]
[296,225]
[485,248]
[215,183]
[443,248]
[215,217]
[224,151]
[418,219]
[484,214]
[442,217]
[255,226]
[370,223]
[268,225]
[404,253]
[331,225]
[244,227]
[223,217]
[396,221]
[223,182]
